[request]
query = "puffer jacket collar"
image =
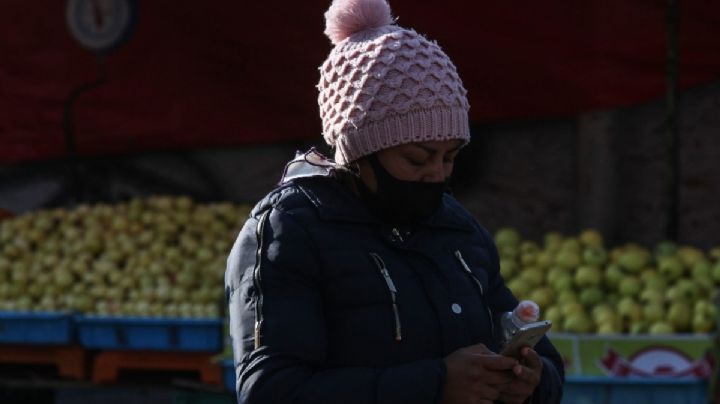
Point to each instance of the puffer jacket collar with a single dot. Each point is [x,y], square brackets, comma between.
[319,181]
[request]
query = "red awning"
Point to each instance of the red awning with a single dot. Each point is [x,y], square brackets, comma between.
[201,74]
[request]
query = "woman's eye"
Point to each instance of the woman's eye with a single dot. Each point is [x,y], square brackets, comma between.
[416,163]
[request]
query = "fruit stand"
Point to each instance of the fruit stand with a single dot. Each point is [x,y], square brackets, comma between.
[109,295]
[105,291]
[632,325]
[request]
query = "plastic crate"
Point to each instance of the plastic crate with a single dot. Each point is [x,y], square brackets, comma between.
[228,369]
[35,328]
[197,335]
[614,390]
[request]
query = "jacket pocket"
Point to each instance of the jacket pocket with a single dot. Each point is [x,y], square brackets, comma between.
[380,264]
[473,278]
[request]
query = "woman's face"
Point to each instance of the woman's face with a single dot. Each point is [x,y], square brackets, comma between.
[430,161]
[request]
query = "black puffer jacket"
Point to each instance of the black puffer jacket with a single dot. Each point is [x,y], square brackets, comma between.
[328,305]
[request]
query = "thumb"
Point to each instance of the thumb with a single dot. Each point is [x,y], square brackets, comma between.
[479,348]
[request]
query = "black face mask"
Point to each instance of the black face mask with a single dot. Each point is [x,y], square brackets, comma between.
[401,202]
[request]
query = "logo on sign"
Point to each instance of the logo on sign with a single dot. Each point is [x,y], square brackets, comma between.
[659,361]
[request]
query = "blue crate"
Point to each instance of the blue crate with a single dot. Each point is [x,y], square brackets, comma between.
[35,328]
[197,335]
[228,369]
[614,390]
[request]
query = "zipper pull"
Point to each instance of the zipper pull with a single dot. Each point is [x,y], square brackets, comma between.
[393,293]
[396,234]
[257,334]
[465,266]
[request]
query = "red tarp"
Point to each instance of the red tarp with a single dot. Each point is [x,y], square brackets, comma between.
[221,72]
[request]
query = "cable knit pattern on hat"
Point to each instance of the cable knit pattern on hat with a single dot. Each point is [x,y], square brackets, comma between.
[382,86]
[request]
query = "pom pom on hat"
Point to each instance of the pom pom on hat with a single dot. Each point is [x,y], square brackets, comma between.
[346,17]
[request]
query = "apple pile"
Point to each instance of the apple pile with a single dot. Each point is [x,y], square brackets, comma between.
[152,257]
[584,287]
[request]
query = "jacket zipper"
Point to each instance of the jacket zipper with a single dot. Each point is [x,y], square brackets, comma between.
[465,267]
[393,292]
[256,276]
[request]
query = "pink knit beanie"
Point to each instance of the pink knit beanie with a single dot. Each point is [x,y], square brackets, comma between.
[384,85]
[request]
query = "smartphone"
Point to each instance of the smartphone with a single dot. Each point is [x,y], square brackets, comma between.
[527,336]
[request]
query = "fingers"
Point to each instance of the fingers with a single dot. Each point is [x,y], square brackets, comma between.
[477,349]
[532,359]
[495,378]
[516,392]
[513,398]
[494,361]
[527,375]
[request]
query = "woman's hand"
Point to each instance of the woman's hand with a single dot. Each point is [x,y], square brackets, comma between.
[527,377]
[475,375]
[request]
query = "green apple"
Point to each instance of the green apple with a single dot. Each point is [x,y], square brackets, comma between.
[552,241]
[630,286]
[591,296]
[508,268]
[690,256]
[612,275]
[670,267]
[702,324]
[568,259]
[714,253]
[653,312]
[507,236]
[679,316]
[634,259]
[544,259]
[652,296]
[705,307]
[554,273]
[688,288]
[675,294]
[629,309]
[595,256]
[609,322]
[653,280]
[533,276]
[567,297]
[665,249]
[588,276]
[554,314]
[571,244]
[607,328]
[638,327]
[529,247]
[528,258]
[702,269]
[661,328]
[508,251]
[602,309]
[577,323]
[705,286]
[562,282]
[571,308]
[591,238]
[543,296]
[519,288]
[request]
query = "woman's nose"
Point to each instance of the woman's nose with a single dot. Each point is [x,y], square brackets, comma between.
[435,171]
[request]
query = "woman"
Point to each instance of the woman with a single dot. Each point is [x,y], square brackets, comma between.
[360,280]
